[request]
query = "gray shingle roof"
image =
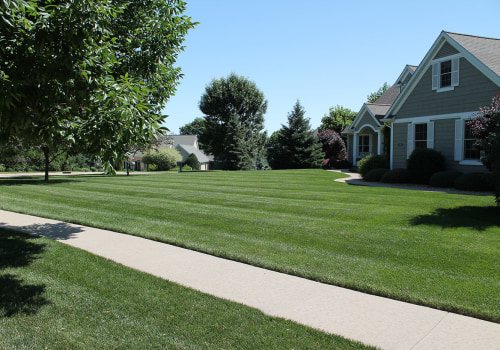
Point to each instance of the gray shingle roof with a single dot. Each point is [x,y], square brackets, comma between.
[389,96]
[202,157]
[378,110]
[487,50]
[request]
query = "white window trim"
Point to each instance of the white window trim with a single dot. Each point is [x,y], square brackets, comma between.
[460,144]
[369,144]
[455,73]
[411,136]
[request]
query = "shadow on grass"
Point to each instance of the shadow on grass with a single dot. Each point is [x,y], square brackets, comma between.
[477,218]
[32,180]
[18,250]
[56,231]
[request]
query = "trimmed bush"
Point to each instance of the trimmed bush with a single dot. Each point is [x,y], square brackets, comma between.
[444,178]
[376,174]
[192,161]
[372,162]
[164,158]
[423,162]
[475,182]
[397,176]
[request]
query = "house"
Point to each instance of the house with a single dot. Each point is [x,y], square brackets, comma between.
[457,75]
[365,135]
[184,144]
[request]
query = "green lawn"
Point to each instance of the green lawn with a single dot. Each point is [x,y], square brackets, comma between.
[53,296]
[433,249]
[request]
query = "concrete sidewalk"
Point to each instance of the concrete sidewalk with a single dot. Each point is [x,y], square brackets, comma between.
[373,320]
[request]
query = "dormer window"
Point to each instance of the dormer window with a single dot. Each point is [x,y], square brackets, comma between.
[445,74]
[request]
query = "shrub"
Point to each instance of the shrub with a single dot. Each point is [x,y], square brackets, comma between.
[397,176]
[164,158]
[3,168]
[423,162]
[376,174]
[444,178]
[192,161]
[371,162]
[152,167]
[475,182]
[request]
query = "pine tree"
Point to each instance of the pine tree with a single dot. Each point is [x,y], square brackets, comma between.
[296,146]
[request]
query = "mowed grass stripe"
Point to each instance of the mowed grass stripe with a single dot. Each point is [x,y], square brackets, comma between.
[429,248]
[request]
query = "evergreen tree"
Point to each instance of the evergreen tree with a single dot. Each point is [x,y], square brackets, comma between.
[295,146]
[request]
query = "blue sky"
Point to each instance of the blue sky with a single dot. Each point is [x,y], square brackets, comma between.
[321,52]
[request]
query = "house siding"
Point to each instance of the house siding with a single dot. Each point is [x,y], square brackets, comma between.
[445,51]
[399,145]
[350,155]
[366,118]
[444,140]
[474,90]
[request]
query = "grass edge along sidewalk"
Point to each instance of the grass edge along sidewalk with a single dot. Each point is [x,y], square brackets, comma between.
[56,296]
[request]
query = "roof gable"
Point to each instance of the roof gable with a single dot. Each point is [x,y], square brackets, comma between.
[482,53]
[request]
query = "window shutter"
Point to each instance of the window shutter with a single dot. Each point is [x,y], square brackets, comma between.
[411,145]
[458,139]
[435,76]
[430,135]
[455,62]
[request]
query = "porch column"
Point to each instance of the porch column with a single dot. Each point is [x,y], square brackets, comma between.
[380,139]
[354,147]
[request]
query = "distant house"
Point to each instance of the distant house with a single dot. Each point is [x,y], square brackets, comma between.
[457,75]
[185,145]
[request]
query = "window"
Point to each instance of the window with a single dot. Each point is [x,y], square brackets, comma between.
[470,151]
[420,135]
[363,145]
[445,74]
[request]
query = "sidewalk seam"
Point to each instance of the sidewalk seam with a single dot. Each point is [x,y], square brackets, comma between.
[430,331]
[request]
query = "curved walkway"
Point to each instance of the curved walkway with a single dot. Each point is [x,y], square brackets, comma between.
[373,320]
[355,179]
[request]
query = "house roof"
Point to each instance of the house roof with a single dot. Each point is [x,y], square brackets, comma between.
[202,157]
[487,50]
[481,52]
[184,140]
[378,110]
[389,96]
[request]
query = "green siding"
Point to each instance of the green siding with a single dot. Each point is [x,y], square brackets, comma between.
[366,118]
[399,145]
[350,155]
[445,51]
[444,140]
[475,90]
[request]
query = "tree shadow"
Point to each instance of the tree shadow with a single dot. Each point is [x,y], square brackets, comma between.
[32,180]
[477,218]
[18,250]
[55,231]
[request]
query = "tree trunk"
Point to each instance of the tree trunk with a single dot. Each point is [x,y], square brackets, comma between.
[47,163]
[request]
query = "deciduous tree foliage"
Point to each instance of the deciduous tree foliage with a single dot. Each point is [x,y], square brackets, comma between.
[486,128]
[374,96]
[338,118]
[295,146]
[234,111]
[87,75]
[333,147]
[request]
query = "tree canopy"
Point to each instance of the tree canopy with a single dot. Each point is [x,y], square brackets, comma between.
[234,111]
[374,96]
[88,75]
[338,118]
[295,146]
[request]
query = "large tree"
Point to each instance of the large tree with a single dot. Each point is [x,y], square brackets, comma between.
[233,106]
[295,145]
[338,118]
[90,75]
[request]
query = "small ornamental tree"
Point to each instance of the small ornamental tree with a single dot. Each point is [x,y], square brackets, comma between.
[193,162]
[164,158]
[334,147]
[486,129]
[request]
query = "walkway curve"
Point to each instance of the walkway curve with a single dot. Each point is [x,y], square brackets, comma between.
[372,320]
